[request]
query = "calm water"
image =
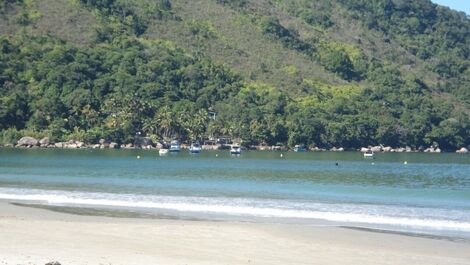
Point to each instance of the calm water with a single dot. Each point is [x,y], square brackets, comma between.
[430,194]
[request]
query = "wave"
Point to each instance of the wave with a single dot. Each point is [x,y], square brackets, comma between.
[419,218]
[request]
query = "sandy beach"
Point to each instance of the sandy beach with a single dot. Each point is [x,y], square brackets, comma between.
[36,236]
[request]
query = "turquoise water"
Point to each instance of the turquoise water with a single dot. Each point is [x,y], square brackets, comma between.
[430,194]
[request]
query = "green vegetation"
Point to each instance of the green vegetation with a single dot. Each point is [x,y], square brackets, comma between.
[324,73]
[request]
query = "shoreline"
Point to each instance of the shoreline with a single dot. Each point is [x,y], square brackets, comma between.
[39,236]
[133,214]
[250,148]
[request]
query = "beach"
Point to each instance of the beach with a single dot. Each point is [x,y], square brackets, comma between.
[37,236]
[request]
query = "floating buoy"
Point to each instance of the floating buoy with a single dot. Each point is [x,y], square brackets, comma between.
[372,163]
[406,162]
[138,157]
[282,155]
[216,155]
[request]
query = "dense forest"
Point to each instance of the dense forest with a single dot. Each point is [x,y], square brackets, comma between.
[343,73]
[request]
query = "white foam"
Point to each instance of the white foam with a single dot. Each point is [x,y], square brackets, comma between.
[238,207]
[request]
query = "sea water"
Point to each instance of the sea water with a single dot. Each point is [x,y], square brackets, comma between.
[430,193]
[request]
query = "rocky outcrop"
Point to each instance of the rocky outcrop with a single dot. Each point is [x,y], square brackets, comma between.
[143,142]
[334,149]
[28,141]
[44,142]
[462,150]
[376,149]
[113,145]
[387,149]
[365,149]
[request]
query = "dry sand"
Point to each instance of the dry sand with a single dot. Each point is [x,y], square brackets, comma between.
[37,236]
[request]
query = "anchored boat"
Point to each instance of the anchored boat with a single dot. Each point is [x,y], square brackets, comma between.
[235,149]
[175,146]
[195,148]
[369,154]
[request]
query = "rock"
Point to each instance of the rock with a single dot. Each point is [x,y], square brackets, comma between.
[437,150]
[341,149]
[462,150]
[143,141]
[53,263]
[376,149]
[400,150]
[44,141]
[387,149]
[429,150]
[80,144]
[408,149]
[96,146]
[27,141]
[102,141]
[59,145]
[113,145]
[364,149]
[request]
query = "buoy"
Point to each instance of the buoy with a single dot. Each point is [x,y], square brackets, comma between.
[138,157]
[406,162]
[282,155]
[372,163]
[216,155]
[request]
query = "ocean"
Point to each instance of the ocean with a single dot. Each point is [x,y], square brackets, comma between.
[430,194]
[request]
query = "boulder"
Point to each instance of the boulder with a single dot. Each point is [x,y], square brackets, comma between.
[143,141]
[113,145]
[44,141]
[96,146]
[376,149]
[71,146]
[462,150]
[102,141]
[59,145]
[80,144]
[429,150]
[387,149]
[364,149]
[28,141]
[400,150]
[408,149]
[437,150]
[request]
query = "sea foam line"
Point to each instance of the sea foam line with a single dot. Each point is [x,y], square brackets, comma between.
[59,199]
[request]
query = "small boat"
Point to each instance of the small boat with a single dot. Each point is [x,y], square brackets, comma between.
[300,148]
[369,154]
[175,146]
[235,149]
[163,151]
[195,148]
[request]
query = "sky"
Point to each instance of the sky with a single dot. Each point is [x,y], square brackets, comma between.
[460,5]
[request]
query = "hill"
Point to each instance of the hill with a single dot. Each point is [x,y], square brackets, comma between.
[326,73]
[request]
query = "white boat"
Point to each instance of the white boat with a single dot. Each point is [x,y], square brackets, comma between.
[195,148]
[235,149]
[369,154]
[163,151]
[300,148]
[175,146]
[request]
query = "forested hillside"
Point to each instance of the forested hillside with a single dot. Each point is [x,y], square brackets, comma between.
[325,73]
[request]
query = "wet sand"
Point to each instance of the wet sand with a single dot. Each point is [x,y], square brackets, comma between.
[36,236]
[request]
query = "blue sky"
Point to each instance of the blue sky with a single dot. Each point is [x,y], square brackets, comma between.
[460,5]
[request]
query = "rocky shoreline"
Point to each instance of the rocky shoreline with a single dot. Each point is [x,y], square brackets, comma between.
[146,143]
